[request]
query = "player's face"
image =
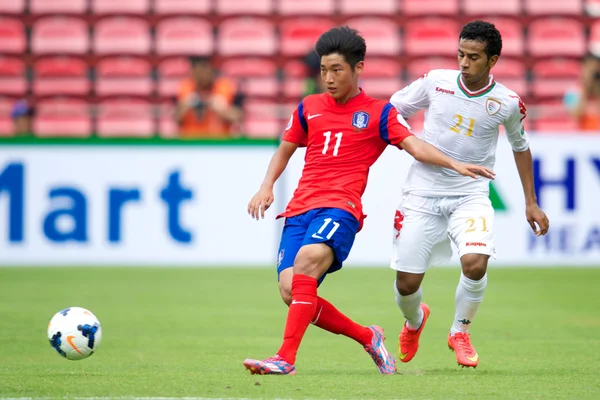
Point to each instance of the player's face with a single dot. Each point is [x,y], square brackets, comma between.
[474,63]
[338,77]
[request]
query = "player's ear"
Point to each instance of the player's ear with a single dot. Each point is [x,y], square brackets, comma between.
[492,61]
[358,68]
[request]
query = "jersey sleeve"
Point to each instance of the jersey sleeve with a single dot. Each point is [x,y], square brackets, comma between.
[296,130]
[413,97]
[393,129]
[515,124]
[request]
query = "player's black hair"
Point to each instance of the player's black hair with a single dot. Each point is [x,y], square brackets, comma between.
[344,41]
[483,32]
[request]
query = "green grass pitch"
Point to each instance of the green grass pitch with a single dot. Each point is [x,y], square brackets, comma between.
[184,333]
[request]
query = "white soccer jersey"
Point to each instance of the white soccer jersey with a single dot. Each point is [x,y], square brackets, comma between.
[462,124]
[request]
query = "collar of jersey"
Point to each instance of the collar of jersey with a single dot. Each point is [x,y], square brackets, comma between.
[478,93]
[358,98]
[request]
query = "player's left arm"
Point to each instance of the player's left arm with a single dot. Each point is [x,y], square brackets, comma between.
[394,130]
[519,141]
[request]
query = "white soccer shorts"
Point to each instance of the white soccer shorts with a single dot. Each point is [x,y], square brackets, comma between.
[424,228]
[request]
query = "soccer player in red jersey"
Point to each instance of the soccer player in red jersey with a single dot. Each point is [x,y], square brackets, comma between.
[344,131]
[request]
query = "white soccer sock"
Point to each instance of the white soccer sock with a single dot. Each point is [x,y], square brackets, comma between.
[469,295]
[411,307]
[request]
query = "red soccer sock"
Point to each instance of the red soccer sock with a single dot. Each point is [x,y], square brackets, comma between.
[300,313]
[331,319]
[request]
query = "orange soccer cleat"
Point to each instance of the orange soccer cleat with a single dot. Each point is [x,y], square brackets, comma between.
[466,355]
[408,341]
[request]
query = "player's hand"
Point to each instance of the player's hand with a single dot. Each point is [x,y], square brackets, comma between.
[474,171]
[261,202]
[537,219]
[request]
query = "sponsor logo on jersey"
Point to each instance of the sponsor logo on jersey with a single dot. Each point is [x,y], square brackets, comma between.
[492,106]
[476,244]
[447,91]
[360,120]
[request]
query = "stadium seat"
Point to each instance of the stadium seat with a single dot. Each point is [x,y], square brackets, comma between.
[553,77]
[256,76]
[552,117]
[512,74]
[298,36]
[167,127]
[478,7]
[431,36]
[553,7]
[12,6]
[430,7]
[556,37]
[12,76]
[170,74]
[12,36]
[592,8]
[184,36]
[594,41]
[513,40]
[120,6]
[6,123]
[247,36]
[62,117]
[122,35]
[123,76]
[295,73]
[244,7]
[381,77]
[381,34]
[77,7]
[263,119]
[420,67]
[59,34]
[59,75]
[182,7]
[125,117]
[306,7]
[362,7]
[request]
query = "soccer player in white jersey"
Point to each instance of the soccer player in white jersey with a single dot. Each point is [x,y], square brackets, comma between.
[463,112]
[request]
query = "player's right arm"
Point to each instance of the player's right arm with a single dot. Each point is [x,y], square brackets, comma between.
[295,135]
[413,97]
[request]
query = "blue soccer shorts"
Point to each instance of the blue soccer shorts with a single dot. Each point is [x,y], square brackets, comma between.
[335,227]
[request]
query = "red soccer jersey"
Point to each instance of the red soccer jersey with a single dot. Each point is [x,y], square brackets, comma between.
[342,142]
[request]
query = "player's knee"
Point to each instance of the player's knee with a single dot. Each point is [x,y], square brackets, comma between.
[406,285]
[474,266]
[286,294]
[313,260]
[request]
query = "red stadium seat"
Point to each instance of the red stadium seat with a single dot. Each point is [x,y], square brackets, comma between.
[123,76]
[362,7]
[184,36]
[125,117]
[60,75]
[120,6]
[167,127]
[592,8]
[12,36]
[12,6]
[478,7]
[6,123]
[381,77]
[381,34]
[171,72]
[513,40]
[12,76]
[381,68]
[512,74]
[58,6]
[306,7]
[420,67]
[556,37]
[594,42]
[263,119]
[552,78]
[429,7]
[182,7]
[298,36]
[244,7]
[431,36]
[122,35]
[248,36]
[295,73]
[553,7]
[58,34]
[257,77]
[553,117]
[62,117]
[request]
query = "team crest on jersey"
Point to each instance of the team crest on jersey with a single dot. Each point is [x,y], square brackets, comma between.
[360,120]
[492,106]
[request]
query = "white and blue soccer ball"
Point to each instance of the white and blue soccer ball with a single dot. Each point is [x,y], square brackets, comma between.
[74,333]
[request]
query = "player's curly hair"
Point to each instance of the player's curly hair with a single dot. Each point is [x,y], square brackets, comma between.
[344,41]
[483,32]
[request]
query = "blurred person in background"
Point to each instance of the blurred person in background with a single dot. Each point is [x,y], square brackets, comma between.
[313,84]
[22,116]
[207,105]
[584,102]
